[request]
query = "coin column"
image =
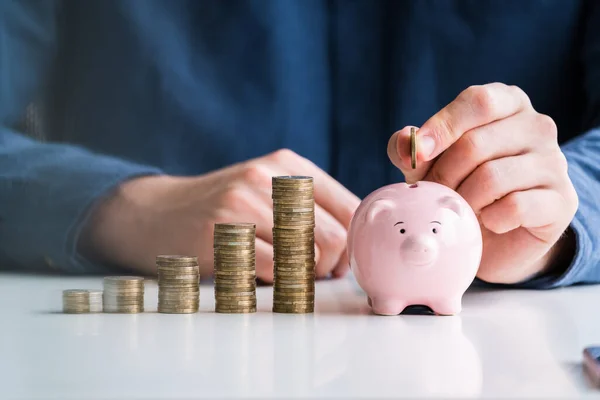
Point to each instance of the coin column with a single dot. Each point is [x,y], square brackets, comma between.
[178,284]
[123,294]
[235,268]
[293,244]
[82,301]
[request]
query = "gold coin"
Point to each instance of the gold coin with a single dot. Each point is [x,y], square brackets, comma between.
[241,227]
[121,310]
[235,309]
[234,257]
[178,268]
[234,274]
[282,272]
[167,310]
[249,293]
[168,258]
[177,276]
[241,237]
[169,294]
[285,291]
[293,310]
[232,243]
[235,293]
[235,268]
[124,280]
[240,253]
[235,282]
[297,300]
[413,147]
[178,283]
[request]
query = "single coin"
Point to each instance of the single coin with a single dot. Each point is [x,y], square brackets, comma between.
[228,292]
[246,310]
[292,178]
[185,269]
[413,147]
[167,258]
[234,282]
[307,291]
[124,280]
[176,310]
[293,310]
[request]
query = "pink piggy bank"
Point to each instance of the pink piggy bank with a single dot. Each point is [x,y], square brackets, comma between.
[416,244]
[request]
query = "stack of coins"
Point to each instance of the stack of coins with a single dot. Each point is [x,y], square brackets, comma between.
[76,301]
[123,294]
[235,268]
[293,244]
[178,284]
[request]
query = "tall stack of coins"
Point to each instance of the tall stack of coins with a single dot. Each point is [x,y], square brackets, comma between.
[123,294]
[293,244]
[76,301]
[178,284]
[235,268]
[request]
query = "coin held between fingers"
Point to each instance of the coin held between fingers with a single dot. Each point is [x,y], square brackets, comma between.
[413,147]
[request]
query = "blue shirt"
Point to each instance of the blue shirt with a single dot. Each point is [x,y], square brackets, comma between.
[126,88]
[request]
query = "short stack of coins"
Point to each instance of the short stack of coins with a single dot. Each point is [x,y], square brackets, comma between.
[78,301]
[293,244]
[123,294]
[235,268]
[178,284]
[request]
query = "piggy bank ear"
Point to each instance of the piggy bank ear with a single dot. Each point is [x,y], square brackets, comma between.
[379,208]
[451,203]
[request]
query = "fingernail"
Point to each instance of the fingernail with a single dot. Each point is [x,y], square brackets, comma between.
[426,146]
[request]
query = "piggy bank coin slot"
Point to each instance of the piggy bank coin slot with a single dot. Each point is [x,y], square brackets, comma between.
[413,186]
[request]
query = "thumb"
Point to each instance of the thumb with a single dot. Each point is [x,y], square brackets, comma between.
[399,152]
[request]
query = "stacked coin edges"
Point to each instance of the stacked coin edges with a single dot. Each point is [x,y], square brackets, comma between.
[235,267]
[293,244]
[178,284]
[123,294]
[82,301]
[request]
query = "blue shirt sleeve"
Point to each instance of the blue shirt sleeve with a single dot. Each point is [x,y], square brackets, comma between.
[46,190]
[583,156]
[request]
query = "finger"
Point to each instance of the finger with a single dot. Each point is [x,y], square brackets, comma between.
[532,209]
[247,203]
[342,268]
[399,152]
[508,137]
[330,237]
[264,260]
[496,178]
[476,106]
[329,193]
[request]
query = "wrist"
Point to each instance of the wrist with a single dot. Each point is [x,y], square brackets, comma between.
[119,223]
[558,259]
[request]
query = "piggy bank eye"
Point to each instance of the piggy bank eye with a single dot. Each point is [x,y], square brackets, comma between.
[402,230]
[434,230]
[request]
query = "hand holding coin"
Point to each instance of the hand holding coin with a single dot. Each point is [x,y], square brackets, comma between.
[503,157]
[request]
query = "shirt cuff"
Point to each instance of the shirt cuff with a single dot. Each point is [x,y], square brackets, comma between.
[51,207]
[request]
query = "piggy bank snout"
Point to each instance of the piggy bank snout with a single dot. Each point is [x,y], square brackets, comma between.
[419,249]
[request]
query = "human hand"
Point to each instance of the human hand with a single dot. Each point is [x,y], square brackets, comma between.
[155,215]
[503,157]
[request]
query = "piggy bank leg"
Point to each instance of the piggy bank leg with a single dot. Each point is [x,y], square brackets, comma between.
[450,306]
[387,306]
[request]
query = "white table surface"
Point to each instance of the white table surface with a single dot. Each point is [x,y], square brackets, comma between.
[503,344]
